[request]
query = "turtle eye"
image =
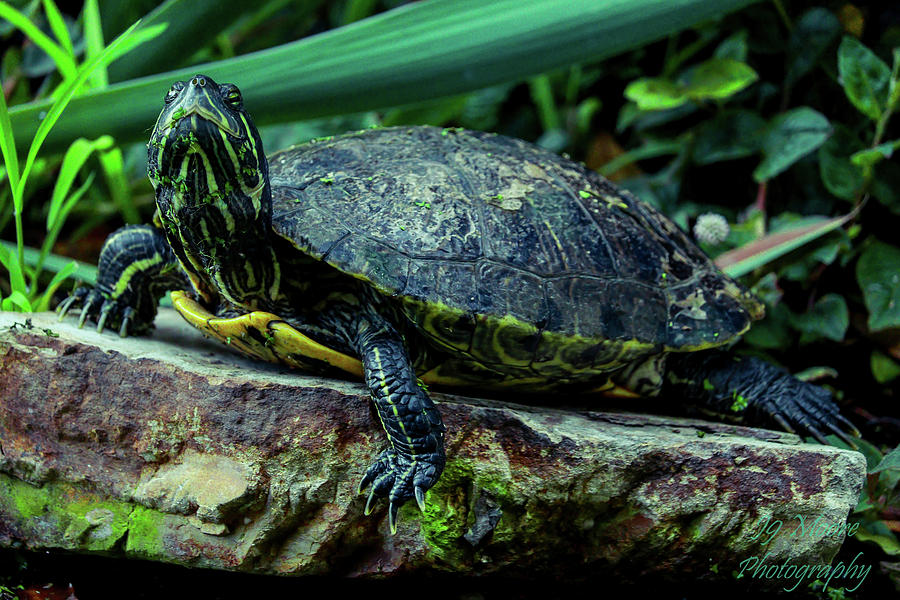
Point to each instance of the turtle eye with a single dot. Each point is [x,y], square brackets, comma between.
[173,91]
[232,96]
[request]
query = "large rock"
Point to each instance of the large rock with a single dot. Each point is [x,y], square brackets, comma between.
[169,448]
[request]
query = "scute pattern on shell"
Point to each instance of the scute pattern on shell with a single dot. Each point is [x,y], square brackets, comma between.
[495,228]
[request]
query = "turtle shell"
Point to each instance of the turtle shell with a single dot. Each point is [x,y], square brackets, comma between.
[503,251]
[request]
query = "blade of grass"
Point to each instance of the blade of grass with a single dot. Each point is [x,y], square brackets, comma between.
[417,52]
[53,232]
[114,173]
[758,253]
[11,161]
[192,24]
[58,25]
[58,279]
[125,42]
[64,62]
[53,263]
[77,154]
[16,298]
[93,42]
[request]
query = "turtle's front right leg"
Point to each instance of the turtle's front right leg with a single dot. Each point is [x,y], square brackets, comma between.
[137,266]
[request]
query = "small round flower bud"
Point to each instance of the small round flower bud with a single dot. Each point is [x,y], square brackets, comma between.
[711,228]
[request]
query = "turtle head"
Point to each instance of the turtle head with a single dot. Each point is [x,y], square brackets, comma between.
[204,145]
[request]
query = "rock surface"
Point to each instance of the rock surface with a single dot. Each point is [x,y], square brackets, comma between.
[170,448]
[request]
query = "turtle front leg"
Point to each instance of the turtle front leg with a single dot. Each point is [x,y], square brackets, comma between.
[137,266]
[756,392]
[415,458]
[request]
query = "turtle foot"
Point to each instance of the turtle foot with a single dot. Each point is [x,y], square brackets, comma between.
[400,478]
[801,407]
[105,311]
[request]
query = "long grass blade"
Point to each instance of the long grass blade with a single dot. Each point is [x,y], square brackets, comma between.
[58,25]
[93,42]
[417,52]
[64,62]
[125,42]
[58,279]
[191,25]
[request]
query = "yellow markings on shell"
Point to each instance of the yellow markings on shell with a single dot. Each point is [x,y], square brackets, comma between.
[135,267]
[562,253]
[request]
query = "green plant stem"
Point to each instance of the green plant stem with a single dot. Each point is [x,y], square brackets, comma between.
[779,8]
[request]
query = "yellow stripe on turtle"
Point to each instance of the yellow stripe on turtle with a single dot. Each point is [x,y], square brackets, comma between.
[267,337]
[264,336]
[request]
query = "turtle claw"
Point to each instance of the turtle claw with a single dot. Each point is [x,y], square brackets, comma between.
[400,478]
[393,509]
[113,313]
[420,497]
[369,502]
[85,311]
[66,304]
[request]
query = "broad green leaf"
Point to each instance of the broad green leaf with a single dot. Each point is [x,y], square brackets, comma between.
[878,275]
[885,184]
[813,34]
[884,368]
[867,159]
[865,77]
[885,538]
[828,318]
[419,51]
[735,47]
[745,259]
[891,460]
[841,177]
[655,93]
[717,78]
[789,137]
[190,25]
[730,135]
[773,332]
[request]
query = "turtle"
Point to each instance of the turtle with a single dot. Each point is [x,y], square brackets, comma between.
[414,256]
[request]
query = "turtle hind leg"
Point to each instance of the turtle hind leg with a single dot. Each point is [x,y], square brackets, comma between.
[757,393]
[137,266]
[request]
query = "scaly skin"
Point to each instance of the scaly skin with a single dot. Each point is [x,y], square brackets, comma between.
[214,236]
[137,267]
[756,391]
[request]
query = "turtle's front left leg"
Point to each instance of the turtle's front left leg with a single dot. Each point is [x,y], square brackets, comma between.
[137,266]
[415,458]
